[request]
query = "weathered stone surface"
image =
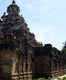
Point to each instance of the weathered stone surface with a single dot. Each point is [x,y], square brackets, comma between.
[21,56]
[16,42]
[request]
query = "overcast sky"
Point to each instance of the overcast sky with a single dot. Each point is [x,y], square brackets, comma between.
[45,18]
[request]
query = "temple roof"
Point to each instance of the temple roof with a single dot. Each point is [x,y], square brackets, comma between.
[13,8]
[14,23]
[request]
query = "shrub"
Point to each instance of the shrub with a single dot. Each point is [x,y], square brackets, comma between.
[64,78]
[49,78]
[44,79]
[59,79]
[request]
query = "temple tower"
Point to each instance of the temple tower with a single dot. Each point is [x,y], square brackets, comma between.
[16,46]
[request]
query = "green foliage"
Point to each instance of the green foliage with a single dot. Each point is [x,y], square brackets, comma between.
[64,78]
[64,48]
[44,78]
[59,79]
[49,78]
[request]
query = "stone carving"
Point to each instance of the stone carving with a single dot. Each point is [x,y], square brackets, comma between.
[21,55]
[17,42]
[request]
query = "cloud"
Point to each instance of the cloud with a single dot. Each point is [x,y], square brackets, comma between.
[41,31]
[47,34]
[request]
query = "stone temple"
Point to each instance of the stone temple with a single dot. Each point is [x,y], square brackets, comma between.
[16,46]
[21,56]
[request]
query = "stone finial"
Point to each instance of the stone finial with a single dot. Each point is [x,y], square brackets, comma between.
[13,2]
[3,15]
[13,8]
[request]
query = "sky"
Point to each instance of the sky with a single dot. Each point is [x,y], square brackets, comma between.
[45,18]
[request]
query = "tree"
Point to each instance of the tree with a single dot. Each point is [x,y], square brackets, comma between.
[63,52]
[64,48]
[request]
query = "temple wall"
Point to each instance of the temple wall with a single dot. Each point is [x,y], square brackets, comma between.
[8,61]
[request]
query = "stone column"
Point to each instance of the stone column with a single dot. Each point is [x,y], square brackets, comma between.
[15,74]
